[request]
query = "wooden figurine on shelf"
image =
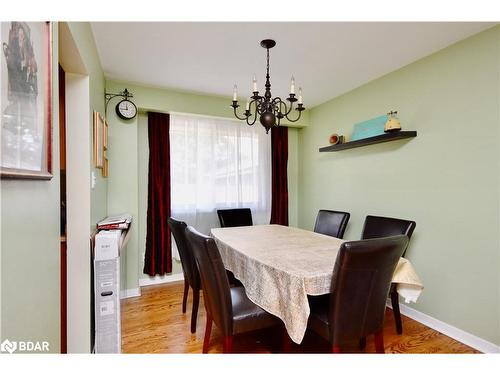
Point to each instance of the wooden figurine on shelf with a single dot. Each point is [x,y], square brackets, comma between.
[392,124]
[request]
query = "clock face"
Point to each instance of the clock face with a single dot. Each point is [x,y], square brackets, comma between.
[126,109]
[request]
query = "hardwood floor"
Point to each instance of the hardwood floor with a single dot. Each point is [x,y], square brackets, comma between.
[154,323]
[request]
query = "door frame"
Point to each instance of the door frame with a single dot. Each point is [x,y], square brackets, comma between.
[78,202]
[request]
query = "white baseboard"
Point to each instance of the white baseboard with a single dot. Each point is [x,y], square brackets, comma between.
[161,279]
[128,293]
[448,330]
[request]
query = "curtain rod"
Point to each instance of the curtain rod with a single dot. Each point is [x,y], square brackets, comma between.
[145,112]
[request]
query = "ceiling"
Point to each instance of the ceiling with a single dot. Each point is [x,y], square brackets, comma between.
[327,59]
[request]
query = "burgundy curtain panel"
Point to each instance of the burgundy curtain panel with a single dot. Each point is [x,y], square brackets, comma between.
[279,162]
[158,258]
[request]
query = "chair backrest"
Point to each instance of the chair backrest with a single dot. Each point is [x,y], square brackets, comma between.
[331,223]
[361,280]
[178,229]
[379,226]
[235,217]
[216,292]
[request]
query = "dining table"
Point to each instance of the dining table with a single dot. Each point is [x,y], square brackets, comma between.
[280,266]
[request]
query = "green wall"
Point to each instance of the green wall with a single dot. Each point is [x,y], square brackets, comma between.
[446,179]
[127,186]
[30,248]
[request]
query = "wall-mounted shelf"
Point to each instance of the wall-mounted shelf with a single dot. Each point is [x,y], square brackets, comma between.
[387,137]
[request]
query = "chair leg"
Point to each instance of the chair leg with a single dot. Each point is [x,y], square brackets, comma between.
[228,344]
[194,313]
[395,310]
[362,343]
[286,344]
[379,342]
[208,331]
[185,297]
[336,349]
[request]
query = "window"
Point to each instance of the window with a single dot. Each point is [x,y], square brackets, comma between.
[218,163]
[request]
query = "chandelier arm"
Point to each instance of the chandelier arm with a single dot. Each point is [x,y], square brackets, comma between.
[276,102]
[297,119]
[254,118]
[258,105]
[280,102]
[288,110]
[236,115]
[255,102]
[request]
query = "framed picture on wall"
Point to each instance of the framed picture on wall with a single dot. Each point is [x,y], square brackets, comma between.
[105,169]
[26,100]
[105,136]
[98,140]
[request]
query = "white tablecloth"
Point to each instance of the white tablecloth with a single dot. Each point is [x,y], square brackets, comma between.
[279,266]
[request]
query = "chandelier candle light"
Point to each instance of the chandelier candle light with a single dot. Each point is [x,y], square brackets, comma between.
[271,110]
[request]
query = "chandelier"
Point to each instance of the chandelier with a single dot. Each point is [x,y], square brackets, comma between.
[270,110]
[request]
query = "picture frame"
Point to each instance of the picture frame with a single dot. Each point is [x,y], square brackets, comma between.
[26,100]
[105,170]
[98,140]
[105,136]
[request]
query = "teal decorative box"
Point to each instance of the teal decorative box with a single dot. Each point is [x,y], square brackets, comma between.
[369,128]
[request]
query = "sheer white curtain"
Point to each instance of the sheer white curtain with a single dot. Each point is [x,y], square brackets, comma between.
[218,163]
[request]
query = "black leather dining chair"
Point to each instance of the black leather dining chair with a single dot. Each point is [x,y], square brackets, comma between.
[235,217]
[331,223]
[228,307]
[189,268]
[361,281]
[379,226]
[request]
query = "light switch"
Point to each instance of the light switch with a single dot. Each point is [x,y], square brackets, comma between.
[93,180]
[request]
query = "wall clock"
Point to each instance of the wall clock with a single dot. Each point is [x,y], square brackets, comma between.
[126,110]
